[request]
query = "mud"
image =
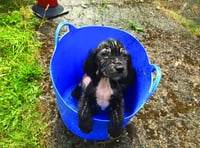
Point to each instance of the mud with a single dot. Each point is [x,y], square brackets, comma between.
[171,117]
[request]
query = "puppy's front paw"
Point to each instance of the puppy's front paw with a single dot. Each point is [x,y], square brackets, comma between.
[115,131]
[85,124]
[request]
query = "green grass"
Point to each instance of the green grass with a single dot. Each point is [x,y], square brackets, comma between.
[173,10]
[11,5]
[21,121]
[191,26]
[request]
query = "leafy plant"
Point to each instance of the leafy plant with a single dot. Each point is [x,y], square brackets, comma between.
[105,5]
[134,26]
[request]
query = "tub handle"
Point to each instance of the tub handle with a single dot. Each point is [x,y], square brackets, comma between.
[58,29]
[154,86]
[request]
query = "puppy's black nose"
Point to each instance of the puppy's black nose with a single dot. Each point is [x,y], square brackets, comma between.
[120,69]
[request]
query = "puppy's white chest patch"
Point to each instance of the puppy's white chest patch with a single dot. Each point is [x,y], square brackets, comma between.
[103,93]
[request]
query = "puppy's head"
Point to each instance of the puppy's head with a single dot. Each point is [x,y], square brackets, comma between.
[111,60]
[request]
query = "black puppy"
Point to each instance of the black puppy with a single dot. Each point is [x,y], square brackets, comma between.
[108,73]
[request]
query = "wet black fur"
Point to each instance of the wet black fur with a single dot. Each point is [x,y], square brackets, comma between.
[95,67]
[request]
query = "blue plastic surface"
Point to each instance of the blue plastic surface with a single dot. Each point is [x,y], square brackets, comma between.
[66,72]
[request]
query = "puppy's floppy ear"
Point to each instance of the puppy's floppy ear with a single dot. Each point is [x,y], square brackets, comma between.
[131,76]
[90,66]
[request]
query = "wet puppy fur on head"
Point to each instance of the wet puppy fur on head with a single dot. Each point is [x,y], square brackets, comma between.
[108,72]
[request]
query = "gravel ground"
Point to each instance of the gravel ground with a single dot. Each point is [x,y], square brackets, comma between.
[171,117]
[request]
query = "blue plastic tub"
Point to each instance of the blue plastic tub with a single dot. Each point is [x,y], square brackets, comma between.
[66,72]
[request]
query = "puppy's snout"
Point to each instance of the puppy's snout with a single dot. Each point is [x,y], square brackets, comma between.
[119,68]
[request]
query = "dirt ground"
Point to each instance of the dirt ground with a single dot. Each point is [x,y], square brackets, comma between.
[171,117]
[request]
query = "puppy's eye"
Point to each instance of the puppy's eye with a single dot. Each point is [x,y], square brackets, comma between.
[124,53]
[105,54]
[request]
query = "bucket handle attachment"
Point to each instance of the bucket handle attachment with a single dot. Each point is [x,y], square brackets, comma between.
[155,68]
[58,29]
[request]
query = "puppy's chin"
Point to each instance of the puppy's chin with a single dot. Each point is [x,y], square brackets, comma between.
[114,76]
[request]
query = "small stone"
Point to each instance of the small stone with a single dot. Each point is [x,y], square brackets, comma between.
[84,6]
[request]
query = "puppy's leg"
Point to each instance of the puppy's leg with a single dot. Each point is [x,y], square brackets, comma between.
[80,89]
[116,117]
[77,92]
[84,115]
